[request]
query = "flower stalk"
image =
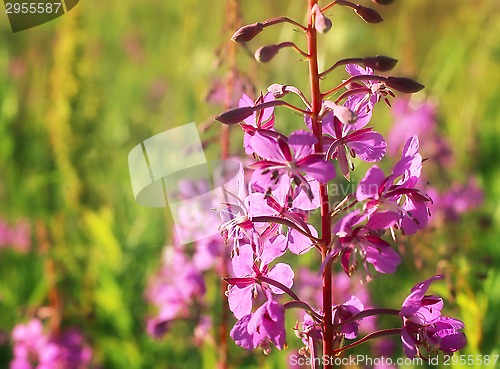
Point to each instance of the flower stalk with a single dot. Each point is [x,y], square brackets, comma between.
[289,179]
[316,106]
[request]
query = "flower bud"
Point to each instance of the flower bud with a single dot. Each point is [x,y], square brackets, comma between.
[344,114]
[277,90]
[321,23]
[402,84]
[234,116]
[380,63]
[369,15]
[248,32]
[266,53]
[382,2]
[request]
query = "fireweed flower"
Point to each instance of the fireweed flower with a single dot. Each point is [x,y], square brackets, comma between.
[362,241]
[17,236]
[173,290]
[33,348]
[420,119]
[294,159]
[260,120]
[310,333]
[73,352]
[265,326]
[207,251]
[381,194]
[352,140]
[425,328]
[456,200]
[411,120]
[347,310]
[193,214]
[237,224]
[291,203]
[248,269]
[371,92]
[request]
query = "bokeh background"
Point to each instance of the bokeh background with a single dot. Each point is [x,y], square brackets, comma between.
[78,93]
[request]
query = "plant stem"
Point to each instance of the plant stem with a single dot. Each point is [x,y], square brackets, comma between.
[278,20]
[316,104]
[382,333]
[295,304]
[352,79]
[367,313]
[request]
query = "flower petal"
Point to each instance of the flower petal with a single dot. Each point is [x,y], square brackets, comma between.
[282,273]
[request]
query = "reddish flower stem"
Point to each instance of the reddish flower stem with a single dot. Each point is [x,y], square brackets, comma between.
[381,333]
[279,285]
[359,78]
[316,104]
[277,20]
[367,313]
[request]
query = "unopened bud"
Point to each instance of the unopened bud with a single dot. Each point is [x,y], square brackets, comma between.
[382,2]
[321,23]
[235,116]
[344,114]
[380,63]
[277,90]
[266,53]
[248,32]
[369,15]
[402,84]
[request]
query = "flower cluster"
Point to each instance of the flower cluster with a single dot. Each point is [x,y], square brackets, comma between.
[289,180]
[35,349]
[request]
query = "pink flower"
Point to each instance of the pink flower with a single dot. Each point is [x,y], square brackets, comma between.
[423,325]
[411,120]
[33,348]
[372,92]
[355,240]
[346,311]
[352,140]
[381,194]
[248,269]
[265,326]
[260,120]
[293,158]
[175,287]
[291,204]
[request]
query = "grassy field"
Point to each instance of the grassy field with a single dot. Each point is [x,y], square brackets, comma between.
[78,93]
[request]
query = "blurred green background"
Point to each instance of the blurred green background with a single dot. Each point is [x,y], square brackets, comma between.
[78,93]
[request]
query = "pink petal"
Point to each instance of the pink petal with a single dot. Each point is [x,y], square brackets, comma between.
[273,249]
[267,148]
[243,262]
[368,187]
[240,301]
[302,143]
[282,273]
